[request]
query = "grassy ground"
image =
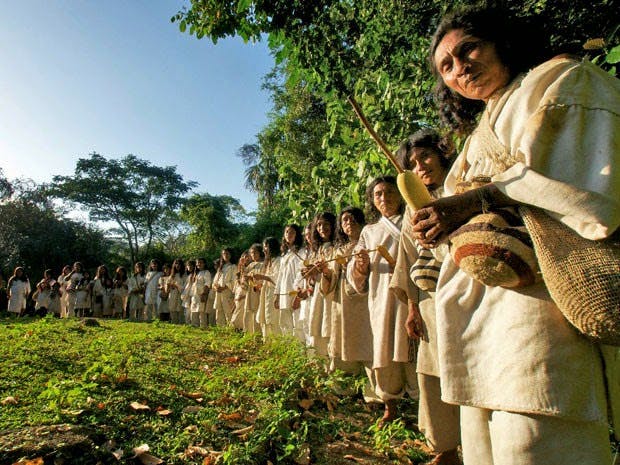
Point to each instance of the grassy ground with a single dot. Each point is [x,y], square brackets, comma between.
[72,393]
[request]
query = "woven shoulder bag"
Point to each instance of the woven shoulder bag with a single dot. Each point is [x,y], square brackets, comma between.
[582,276]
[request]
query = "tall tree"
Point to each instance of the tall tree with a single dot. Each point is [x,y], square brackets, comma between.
[131,192]
[214,221]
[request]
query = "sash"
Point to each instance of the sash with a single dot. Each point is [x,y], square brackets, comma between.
[392,229]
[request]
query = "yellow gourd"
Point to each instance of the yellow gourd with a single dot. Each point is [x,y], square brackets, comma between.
[383,251]
[413,190]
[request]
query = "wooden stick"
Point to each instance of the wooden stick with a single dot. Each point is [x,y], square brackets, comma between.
[384,148]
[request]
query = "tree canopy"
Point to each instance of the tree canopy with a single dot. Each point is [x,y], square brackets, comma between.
[131,192]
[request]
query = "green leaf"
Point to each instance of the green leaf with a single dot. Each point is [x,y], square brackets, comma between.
[613,56]
[182,26]
[243,5]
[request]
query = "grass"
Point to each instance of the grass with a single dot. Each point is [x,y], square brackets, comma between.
[199,396]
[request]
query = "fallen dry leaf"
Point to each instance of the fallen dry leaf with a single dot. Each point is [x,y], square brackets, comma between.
[191,429]
[235,416]
[37,461]
[192,395]
[101,405]
[148,459]
[423,446]
[164,412]
[10,400]
[232,359]
[138,406]
[306,403]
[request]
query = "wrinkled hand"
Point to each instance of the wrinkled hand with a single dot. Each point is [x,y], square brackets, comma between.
[414,324]
[432,224]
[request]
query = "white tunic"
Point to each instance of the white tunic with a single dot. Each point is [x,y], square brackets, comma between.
[288,278]
[387,313]
[512,349]
[19,291]
[152,284]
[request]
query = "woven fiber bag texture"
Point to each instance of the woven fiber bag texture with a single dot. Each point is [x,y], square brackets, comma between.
[582,276]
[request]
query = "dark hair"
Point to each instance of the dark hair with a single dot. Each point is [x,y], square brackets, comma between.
[157,263]
[299,238]
[141,265]
[23,277]
[372,214]
[316,240]
[181,266]
[232,254]
[358,215]
[274,246]
[426,138]
[258,247]
[119,270]
[102,272]
[517,44]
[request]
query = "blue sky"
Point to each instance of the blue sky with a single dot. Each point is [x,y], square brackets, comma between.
[117,77]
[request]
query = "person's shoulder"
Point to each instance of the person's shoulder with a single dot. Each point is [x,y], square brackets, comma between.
[565,80]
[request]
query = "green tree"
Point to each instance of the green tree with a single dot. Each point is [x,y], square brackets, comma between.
[6,189]
[214,223]
[131,192]
[33,235]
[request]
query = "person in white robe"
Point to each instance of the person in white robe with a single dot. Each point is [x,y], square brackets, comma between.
[174,287]
[393,369]
[119,293]
[239,292]
[267,316]
[151,290]
[223,285]
[200,294]
[135,286]
[429,156]
[320,306]
[350,344]
[253,288]
[73,283]
[43,294]
[18,289]
[101,293]
[163,312]
[285,290]
[62,290]
[531,388]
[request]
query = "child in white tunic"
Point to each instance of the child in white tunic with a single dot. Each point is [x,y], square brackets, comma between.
[43,300]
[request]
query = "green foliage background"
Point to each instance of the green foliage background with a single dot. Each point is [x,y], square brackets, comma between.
[313,154]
